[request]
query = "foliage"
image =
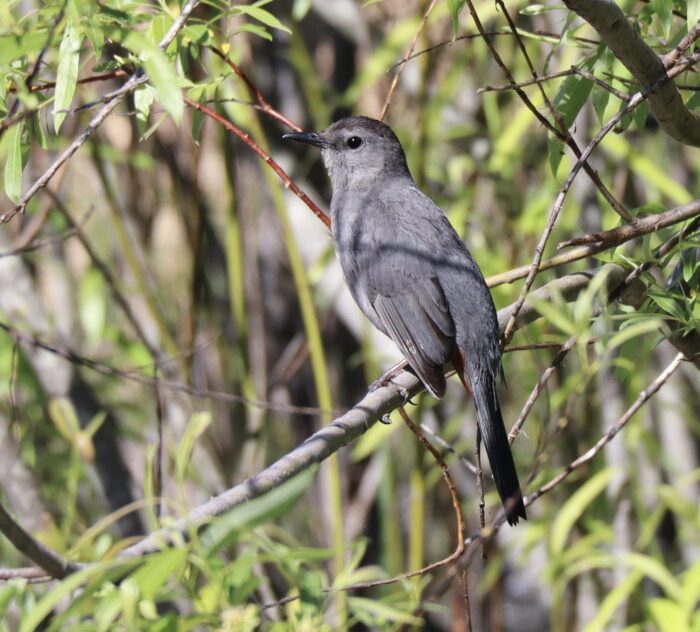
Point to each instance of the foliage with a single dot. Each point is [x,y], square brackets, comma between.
[194,305]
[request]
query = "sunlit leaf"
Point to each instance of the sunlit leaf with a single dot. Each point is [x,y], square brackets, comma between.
[13,165]
[574,507]
[67,72]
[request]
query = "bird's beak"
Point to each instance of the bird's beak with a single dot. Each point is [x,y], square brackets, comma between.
[310,138]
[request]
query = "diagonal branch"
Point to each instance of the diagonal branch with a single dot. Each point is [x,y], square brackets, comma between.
[44,557]
[646,66]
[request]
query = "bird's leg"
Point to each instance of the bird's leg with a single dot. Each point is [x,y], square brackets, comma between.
[388,379]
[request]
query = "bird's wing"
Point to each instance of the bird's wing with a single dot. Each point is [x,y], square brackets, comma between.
[416,317]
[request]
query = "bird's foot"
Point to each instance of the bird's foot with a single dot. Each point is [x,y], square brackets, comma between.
[388,378]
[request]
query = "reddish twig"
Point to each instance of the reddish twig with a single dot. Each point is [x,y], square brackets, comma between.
[248,140]
[264,105]
[49,85]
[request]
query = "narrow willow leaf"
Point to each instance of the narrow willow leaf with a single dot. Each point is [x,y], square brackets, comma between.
[164,80]
[13,166]
[573,508]
[67,73]
[693,12]
[261,16]
[668,615]
[454,7]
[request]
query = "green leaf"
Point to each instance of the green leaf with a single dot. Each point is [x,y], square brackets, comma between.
[573,508]
[572,96]
[555,152]
[667,303]
[600,98]
[692,12]
[668,615]
[640,115]
[657,572]
[691,587]
[454,7]
[157,570]
[15,46]
[197,424]
[64,592]
[300,9]
[261,16]
[162,76]
[632,331]
[257,511]
[13,165]
[373,613]
[612,601]
[67,72]
[256,29]
[143,100]
[554,314]
[664,11]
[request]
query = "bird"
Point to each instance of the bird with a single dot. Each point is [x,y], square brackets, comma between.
[414,278]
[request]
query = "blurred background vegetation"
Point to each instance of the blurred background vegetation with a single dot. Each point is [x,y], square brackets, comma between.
[198,327]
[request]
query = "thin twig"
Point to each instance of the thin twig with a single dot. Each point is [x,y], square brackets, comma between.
[248,140]
[587,456]
[539,387]
[448,448]
[574,70]
[411,48]
[552,38]
[556,115]
[32,574]
[49,241]
[650,224]
[132,376]
[686,42]
[264,106]
[639,229]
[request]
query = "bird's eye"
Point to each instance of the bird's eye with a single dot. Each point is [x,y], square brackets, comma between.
[353,142]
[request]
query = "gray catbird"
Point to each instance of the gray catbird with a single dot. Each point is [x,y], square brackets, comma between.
[414,278]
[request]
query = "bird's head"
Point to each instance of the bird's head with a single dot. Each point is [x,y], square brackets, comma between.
[357,150]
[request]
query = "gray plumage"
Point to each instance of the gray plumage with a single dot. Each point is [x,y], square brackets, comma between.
[414,278]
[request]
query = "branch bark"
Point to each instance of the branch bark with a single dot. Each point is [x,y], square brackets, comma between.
[342,430]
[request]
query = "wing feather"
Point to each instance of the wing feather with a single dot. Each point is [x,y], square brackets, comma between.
[419,323]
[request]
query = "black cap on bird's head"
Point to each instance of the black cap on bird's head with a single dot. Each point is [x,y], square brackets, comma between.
[357,147]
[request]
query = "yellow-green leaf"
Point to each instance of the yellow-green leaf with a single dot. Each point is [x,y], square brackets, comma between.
[13,166]
[573,508]
[67,73]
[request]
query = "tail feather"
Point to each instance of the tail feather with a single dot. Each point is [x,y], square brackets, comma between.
[493,432]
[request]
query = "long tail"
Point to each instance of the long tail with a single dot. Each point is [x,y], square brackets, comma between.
[493,432]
